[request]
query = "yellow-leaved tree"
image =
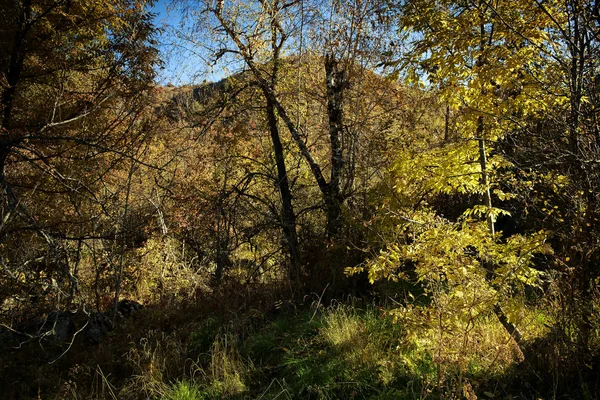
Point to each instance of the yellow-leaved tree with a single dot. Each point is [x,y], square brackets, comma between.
[494,67]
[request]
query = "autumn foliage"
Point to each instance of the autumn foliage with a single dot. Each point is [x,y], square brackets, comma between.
[377,200]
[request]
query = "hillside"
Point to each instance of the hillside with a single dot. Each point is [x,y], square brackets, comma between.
[384,200]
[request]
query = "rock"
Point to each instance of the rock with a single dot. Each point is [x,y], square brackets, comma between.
[9,338]
[57,327]
[127,307]
[22,332]
[59,324]
[97,327]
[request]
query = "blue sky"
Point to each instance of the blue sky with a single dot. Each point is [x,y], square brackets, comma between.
[180,67]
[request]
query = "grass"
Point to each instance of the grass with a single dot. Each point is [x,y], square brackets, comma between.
[347,352]
[185,390]
[341,352]
[225,376]
[344,351]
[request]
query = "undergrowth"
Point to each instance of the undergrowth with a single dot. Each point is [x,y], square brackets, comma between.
[338,352]
[347,350]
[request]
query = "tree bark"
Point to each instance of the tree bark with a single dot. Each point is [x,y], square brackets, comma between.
[336,81]
[15,65]
[288,217]
[510,327]
[487,196]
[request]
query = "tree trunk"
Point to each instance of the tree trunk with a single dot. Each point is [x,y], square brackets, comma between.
[510,327]
[288,217]
[221,247]
[447,123]
[487,196]
[15,65]
[222,260]
[336,81]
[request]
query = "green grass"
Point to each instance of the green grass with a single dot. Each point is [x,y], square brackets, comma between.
[339,352]
[202,339]
[185,390]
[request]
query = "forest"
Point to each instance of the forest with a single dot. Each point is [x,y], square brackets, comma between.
[348,199]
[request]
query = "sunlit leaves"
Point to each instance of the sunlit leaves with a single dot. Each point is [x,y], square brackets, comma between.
[490,59]
[447,169]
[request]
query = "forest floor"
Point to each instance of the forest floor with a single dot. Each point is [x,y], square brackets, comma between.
[351,349]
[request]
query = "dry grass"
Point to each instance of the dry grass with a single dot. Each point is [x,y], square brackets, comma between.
[344,327]
[226,372]
[157,359]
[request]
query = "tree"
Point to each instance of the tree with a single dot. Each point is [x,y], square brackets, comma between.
[478,54]
[556,146]
[515,75]
[537,67]
[75,82]
[257,33]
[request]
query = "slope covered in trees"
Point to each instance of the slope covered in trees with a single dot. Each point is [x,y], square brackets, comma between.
[382,200]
